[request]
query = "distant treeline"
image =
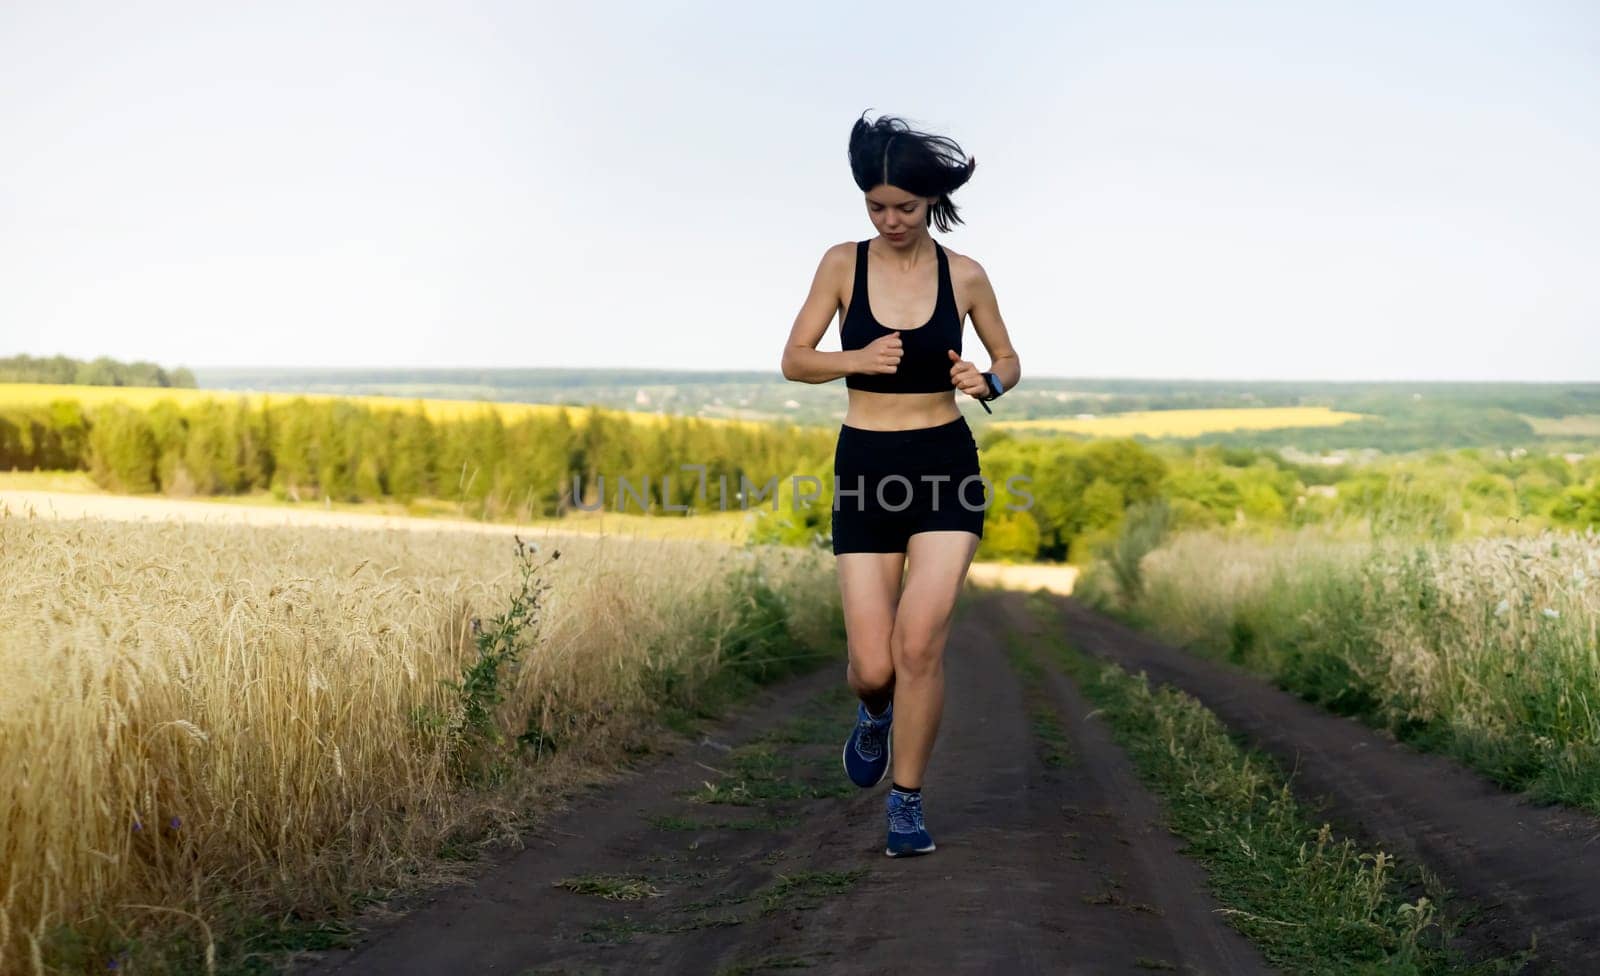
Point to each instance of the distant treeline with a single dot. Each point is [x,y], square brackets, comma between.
[1075,494]
[95,372]
[341,450]
[525,379]
[1082,492]
[1410,415]
[1080,395]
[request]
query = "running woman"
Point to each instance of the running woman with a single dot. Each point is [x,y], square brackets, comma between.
[909,497]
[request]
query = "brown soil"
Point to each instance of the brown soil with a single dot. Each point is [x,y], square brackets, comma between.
[1532,870]
[1043,866]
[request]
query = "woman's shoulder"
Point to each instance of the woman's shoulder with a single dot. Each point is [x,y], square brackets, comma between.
[843,250]
[964,269]
[840,257]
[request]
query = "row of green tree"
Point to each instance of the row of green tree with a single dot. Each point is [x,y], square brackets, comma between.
[95,372]
[538,466]
[1073,493]
[1082,490]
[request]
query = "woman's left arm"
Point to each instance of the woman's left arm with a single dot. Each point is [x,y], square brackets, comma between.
[991,328]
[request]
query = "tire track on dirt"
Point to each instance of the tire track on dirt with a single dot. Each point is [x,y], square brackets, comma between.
[1109,787]
[1530,869]
[1042,867]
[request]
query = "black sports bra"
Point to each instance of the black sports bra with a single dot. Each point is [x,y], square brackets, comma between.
[924,363]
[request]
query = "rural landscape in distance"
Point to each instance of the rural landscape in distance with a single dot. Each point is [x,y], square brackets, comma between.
[706,489]
[307,649]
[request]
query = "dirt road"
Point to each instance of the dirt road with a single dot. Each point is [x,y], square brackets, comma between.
[752,853]
[1531,870]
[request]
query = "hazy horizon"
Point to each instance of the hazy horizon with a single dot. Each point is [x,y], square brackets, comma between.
[1219,191]
[775,375]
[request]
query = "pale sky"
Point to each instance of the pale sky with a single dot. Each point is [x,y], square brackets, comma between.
[1183,189]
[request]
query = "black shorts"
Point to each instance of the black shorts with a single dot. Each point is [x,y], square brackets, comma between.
[890,484]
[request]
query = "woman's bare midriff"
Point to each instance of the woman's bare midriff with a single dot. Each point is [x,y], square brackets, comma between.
[900,411]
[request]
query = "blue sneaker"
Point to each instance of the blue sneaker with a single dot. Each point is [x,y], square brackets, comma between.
[866,752]
[907,835]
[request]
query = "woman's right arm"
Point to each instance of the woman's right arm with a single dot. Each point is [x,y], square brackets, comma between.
[803,362]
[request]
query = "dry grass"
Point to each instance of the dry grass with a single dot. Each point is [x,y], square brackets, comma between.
[219,721]
[1196,584]
[71,495]
[1498,594]
[1186,423]
[1487,649]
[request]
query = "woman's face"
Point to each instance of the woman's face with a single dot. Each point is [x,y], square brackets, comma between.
[899,216]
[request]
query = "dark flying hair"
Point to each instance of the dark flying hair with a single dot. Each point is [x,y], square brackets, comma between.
[890,151]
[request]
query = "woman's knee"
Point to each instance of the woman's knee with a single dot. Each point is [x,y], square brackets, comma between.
[870,673]
[916,652]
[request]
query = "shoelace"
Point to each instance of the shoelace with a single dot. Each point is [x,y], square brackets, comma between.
[869,741]
[905,816]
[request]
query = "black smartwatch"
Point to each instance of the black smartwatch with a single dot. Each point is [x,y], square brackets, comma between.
[995,389]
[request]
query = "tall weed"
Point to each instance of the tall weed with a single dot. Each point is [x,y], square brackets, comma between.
[1485,649]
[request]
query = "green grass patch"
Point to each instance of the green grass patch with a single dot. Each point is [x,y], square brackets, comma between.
[770,773]
[744,794]
[769,770]
[619,930]
[1052,739]
[1313,903]
[800,891]
[764,965]
[1049,736]
[805,890]
[253,945]
[759,650]
[612,887]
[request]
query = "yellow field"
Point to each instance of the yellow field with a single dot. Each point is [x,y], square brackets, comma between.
[204,723]
[1186,423]
[20,488]
[41,394]
[1573,425]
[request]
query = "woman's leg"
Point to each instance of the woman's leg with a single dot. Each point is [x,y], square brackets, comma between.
[937,568]
[869,585]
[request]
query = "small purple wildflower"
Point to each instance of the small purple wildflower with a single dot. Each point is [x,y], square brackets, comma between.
[137,826]
[175,823]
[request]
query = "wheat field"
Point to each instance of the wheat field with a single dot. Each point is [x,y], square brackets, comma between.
[1185,423]
[205,723]
[1573,425]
